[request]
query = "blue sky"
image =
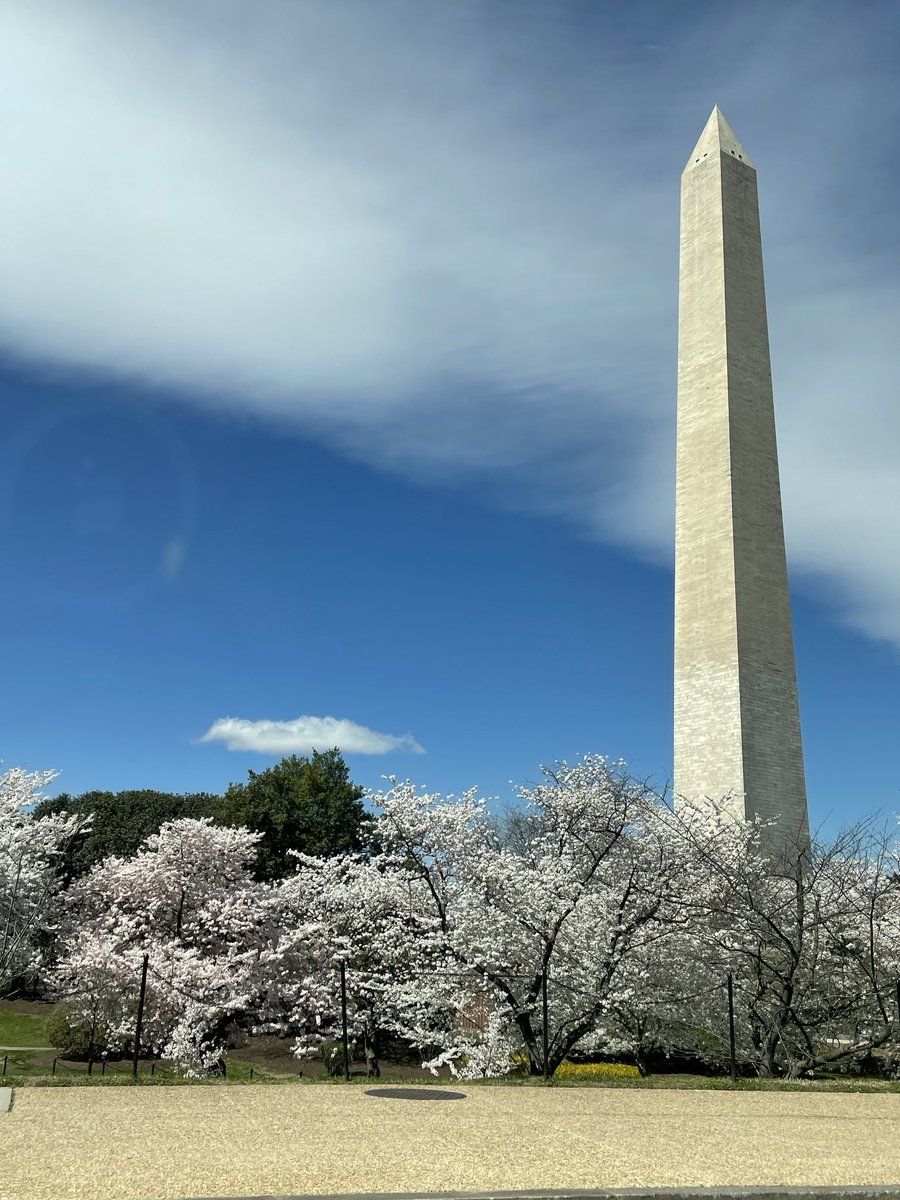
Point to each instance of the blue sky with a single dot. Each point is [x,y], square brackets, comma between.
[337,380]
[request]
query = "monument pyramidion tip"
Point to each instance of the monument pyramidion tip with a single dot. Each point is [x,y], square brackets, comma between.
[718,138]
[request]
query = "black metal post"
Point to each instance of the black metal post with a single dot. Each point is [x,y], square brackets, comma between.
[731,1028]
[91,1064]
[153,1066]
[251,1072]
[344,1020]
[545,1037]
[5,1058]
[140,1016]
[53,1070]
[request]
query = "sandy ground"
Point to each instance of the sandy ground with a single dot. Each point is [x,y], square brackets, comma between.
[143,1143]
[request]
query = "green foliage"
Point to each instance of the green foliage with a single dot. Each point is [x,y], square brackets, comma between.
[75,1039]
[521,1064]
[121,822]
[333,1057]
[306,804]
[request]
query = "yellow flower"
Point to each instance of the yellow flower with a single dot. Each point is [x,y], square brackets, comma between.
[569,1070]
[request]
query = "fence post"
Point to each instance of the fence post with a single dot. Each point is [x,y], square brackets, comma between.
[731,1028]
[53,1071]
[5,1058]
[91,1063]
[545,1037]
[140,1016]
[251,1072]
[152,1066]
[344,1020]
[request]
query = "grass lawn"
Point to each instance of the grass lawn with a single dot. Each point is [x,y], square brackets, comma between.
[35,1070]
[268,1060]
[19,1029]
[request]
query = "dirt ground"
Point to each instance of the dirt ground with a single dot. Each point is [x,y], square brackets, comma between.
[270,1140]
[29,1008]
[272,1054]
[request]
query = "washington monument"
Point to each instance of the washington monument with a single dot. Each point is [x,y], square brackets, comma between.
[737,721]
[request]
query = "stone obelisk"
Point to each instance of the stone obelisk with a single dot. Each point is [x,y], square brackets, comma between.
[737,721]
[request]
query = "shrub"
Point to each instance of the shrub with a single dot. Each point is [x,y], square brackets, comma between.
[73,1037]
[521,1064]
[333,1056]
[234,1035]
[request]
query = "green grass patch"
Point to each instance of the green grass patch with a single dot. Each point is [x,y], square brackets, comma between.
[18,1029]
[34,1070]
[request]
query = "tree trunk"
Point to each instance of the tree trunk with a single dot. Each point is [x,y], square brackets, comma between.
[370,1041]
[640,1050]
[642,1061]
[535,1059]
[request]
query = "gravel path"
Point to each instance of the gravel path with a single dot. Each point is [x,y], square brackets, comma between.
[154,1142]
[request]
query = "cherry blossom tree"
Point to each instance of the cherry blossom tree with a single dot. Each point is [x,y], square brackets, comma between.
[781,933]
[591,884]
[213,936]
[30,858]
[608,923]
[632,914]
[371,915]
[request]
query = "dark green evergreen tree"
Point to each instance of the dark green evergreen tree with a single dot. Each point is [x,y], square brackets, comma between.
[120,822]
[307,804]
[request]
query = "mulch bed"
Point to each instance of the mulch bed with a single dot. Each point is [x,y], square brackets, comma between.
[273,1055]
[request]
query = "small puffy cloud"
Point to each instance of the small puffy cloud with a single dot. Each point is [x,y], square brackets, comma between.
[305,734]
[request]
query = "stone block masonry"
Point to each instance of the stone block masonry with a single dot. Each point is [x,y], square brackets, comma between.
[737,721]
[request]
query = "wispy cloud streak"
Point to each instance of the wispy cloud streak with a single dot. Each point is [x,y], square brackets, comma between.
[447,244]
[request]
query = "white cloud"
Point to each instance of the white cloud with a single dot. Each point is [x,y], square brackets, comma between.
[173,557]
[306,734]
[447,244]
